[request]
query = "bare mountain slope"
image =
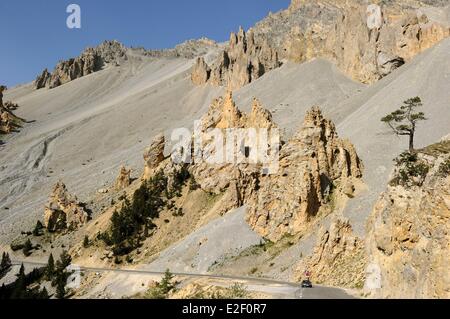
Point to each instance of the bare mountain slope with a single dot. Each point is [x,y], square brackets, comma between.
[84,129]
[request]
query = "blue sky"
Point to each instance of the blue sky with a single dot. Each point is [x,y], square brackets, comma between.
[35,36]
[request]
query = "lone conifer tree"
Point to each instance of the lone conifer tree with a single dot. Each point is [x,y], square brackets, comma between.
[166,283]
[61,287]
[404,120]
[6,262]
[27,247]
[86,242]
[50,269]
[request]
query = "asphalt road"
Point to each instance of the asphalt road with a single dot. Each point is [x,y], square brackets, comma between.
[317,292]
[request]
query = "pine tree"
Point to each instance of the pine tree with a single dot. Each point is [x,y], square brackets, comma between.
[166,284]
[27,247]
[61,287]
[6,262]
[404,121]
[44,294]
[50,269]
[38,228]
[116,234]
[20,285]
[86,242]
[21,271]
[64,261]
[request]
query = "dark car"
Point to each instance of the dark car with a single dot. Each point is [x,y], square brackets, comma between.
[306,284]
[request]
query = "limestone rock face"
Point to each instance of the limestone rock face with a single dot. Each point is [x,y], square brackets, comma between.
[313,164]
[223,114]
[91,60]
[201,72]
[42,80]
[408,235]
[8,121]
[63,210]
[244,60]
[5,125]
[154,155]
[337,260]
[366,41]
[123,180]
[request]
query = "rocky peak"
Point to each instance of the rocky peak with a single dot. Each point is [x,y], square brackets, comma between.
[244,60]
[259,116]
[154,155]
[201,72]
[90,61]
[223,113]
[230,115]
[123,180]
[63,210]
[42,80]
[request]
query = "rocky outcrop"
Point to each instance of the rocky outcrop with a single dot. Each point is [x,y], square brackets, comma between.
[189,49]
[240,176]
[338,259]
[244,60]
[63,210]
[5,125]
[10,105]
[8,121]
[408,235]
[43,80]
[315,167]
[123,180]
[201,72]
[154,155]
[223,113]
[90,61]
[314,164]
[366,41]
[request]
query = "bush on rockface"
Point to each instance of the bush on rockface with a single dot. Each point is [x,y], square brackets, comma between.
[444,168]
[411,171]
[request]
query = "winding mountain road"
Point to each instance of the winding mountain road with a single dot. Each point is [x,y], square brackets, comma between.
[289,289]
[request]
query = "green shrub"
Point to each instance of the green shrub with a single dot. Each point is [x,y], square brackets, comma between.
[411,170]
[86,242]
[38,229]
[179,180]
[237,291]
[193,184]
[162,289]
[444,168]
[5,265]
[27,248]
